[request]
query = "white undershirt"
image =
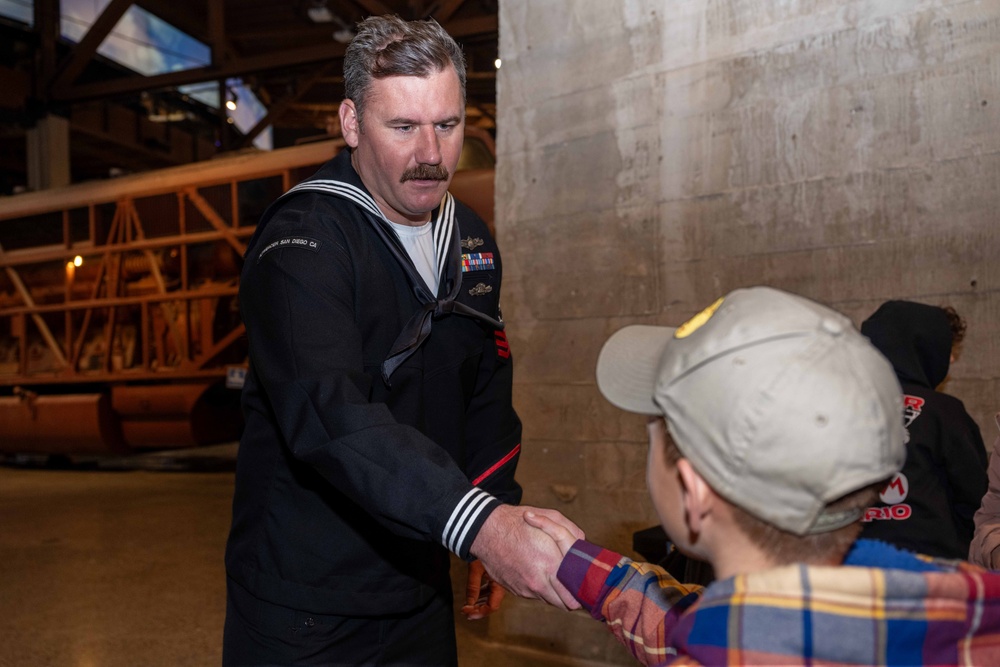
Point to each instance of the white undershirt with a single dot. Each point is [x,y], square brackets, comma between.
[419,245]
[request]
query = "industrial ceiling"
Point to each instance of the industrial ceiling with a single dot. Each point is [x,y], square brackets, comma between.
[288,52]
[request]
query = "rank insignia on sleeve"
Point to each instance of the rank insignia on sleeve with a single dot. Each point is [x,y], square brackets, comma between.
[477,261]
[471,243]
[503,347]
[481,289]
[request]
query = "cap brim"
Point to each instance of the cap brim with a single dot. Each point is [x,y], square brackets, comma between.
[628,365]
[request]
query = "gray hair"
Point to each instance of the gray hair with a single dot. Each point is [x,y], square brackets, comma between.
[389,46]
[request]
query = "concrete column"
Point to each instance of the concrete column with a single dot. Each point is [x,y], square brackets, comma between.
[48,153]
[653,155]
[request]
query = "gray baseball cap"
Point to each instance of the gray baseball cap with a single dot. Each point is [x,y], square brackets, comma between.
[777,401]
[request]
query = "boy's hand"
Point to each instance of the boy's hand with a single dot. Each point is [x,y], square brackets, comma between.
[563,537]
[524,560]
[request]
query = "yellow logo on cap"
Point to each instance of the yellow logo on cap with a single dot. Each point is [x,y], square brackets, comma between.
[695,323]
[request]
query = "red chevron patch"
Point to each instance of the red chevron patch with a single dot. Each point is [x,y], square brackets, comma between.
[503,347]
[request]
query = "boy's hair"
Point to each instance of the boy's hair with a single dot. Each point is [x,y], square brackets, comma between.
[784,547]
[957,324]
[389,46]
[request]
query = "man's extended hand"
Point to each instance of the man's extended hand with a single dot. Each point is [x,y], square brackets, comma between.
[523,558]
[482,595]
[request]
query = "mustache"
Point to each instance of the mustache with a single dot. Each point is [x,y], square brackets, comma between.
[425,172]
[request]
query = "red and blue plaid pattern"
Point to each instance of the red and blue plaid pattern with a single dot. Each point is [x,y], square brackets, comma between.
[946,614]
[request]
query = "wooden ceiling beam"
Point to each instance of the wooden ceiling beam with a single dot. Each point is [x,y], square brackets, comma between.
[217,32]
[46,18]
[277,110]
[237,67]
[373,7]
[480,25]
[445,10]
[183,15]
[77,61]
[281,31]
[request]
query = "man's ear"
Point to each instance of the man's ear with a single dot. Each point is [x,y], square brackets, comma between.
[698,497]
[350,125]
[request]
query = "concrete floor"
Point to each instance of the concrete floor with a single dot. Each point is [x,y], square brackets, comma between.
[106,568]
[121,564]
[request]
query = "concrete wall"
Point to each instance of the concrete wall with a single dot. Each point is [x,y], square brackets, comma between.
[655,154]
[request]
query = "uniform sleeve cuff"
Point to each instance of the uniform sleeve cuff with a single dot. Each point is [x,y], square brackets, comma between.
[465,521]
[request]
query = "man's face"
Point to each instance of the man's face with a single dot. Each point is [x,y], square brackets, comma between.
[407,149]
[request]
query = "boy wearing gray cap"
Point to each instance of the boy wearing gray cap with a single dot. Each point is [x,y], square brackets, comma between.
[773,423]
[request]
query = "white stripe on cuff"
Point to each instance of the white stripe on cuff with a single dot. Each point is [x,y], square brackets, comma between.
[463,517]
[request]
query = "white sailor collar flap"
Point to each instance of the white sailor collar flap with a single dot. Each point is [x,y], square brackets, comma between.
[448,251]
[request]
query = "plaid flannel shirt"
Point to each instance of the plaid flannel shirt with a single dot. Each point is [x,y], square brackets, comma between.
[909,611]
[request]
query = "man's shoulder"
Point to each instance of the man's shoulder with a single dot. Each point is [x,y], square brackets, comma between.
[331,193]
[317,210]
[312,220]
[469,221]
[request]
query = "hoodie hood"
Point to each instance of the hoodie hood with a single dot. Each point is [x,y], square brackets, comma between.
[915,337]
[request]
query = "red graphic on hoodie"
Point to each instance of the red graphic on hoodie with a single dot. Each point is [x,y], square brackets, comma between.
[912,405]
[892,494]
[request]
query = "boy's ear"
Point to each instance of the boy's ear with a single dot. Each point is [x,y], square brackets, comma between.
[698,497]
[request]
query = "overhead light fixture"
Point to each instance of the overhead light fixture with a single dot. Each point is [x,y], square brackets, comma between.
[496,63]
[231,100]
[344,35]
[318,12]
[168,116]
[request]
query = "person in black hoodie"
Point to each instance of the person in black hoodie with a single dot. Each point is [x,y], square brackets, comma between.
[928,506]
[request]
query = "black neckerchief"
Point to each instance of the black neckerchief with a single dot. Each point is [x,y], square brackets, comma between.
[448,251]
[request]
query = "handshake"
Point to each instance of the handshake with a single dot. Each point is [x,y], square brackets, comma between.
[521,549]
